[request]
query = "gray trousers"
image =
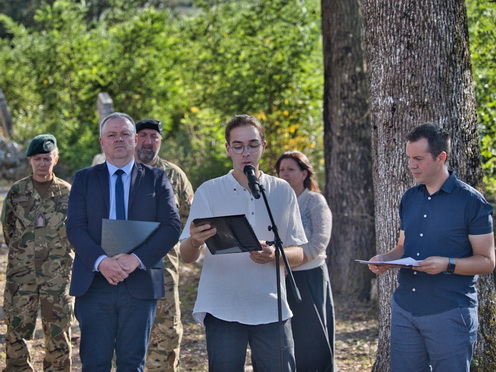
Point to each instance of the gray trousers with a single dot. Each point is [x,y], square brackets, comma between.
[438,343]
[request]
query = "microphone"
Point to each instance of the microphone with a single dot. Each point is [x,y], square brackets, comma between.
[249,171]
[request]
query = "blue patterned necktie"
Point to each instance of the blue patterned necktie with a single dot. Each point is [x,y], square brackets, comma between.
[120,213]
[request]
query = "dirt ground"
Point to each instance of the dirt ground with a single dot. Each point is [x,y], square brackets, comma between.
[356,329]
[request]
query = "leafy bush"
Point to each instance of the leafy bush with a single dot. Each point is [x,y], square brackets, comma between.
[482,17]
[191,72]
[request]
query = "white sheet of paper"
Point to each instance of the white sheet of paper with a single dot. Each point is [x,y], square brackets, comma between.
[408,261]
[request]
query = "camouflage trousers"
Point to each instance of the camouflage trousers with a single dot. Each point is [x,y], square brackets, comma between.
[167,330]
[21,304]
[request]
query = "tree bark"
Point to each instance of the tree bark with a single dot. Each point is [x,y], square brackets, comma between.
[485,347]
[419,67]
[347,146]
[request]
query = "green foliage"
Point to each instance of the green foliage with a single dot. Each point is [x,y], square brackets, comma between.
[262,58]
[41,76]
[482,18]
[203,131]
[22,11]
[191,72]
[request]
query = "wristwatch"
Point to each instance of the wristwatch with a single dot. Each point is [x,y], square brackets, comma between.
[451,266]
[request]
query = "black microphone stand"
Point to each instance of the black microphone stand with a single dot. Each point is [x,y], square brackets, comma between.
[279,252]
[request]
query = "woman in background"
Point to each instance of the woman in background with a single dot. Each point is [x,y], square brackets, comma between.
[313,319]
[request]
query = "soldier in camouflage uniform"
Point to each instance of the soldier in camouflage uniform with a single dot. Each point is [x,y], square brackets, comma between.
[39,263]
[167,331]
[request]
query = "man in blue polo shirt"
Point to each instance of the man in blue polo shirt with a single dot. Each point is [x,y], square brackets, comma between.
[448,226]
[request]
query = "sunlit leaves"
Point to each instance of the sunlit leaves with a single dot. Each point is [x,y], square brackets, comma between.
[482,18]
[262,58]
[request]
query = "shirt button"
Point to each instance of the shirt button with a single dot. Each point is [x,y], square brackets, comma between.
[421,234]
[252,212]
[414,273]
[413,289]
[425,216]
[429,198]
[418,254]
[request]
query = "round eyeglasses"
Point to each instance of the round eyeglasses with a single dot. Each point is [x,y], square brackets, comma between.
[251,148]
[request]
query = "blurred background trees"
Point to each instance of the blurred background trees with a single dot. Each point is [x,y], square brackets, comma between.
[191,65]
[481,21]
[191,69]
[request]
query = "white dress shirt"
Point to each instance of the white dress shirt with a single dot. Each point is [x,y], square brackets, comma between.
[232,287]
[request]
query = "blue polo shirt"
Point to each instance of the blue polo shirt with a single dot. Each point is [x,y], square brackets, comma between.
[439,225]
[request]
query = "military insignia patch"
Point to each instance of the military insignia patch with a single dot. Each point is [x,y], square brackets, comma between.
[48,146]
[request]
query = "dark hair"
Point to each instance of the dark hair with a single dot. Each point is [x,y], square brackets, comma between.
[117,115]
[301,159]
[242,120]
[437,138]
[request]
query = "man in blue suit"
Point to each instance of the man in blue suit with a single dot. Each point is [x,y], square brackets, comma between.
[116,296]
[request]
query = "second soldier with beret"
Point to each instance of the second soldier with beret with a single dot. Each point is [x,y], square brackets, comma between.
[39,263]
[167,331]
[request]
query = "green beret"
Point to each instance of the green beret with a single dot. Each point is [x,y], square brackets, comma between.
[42,144]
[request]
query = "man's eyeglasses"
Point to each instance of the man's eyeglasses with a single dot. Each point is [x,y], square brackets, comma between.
[251,148]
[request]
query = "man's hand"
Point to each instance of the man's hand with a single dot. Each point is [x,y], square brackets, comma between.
[266,255]
[112,270]
[394,254]
[128,262]
[433,265]
[378,269]
[190,248]
[198,234]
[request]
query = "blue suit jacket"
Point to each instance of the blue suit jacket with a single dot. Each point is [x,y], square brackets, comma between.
[150,199]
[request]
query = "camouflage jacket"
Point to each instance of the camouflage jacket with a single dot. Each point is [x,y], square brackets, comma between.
[34,228]
[183,190]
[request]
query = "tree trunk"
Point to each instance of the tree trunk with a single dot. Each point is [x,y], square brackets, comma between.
[485,347]
[348,148]
[419,68]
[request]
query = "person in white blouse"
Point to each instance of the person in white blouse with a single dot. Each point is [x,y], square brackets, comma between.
[237,293]
[313,318]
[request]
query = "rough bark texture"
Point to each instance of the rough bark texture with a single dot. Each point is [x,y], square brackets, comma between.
[419,69]
[485,347]
[348,148]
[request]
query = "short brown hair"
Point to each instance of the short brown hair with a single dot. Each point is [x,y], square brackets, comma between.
[242,120]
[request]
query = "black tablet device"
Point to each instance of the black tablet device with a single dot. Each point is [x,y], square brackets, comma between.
[234,234]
